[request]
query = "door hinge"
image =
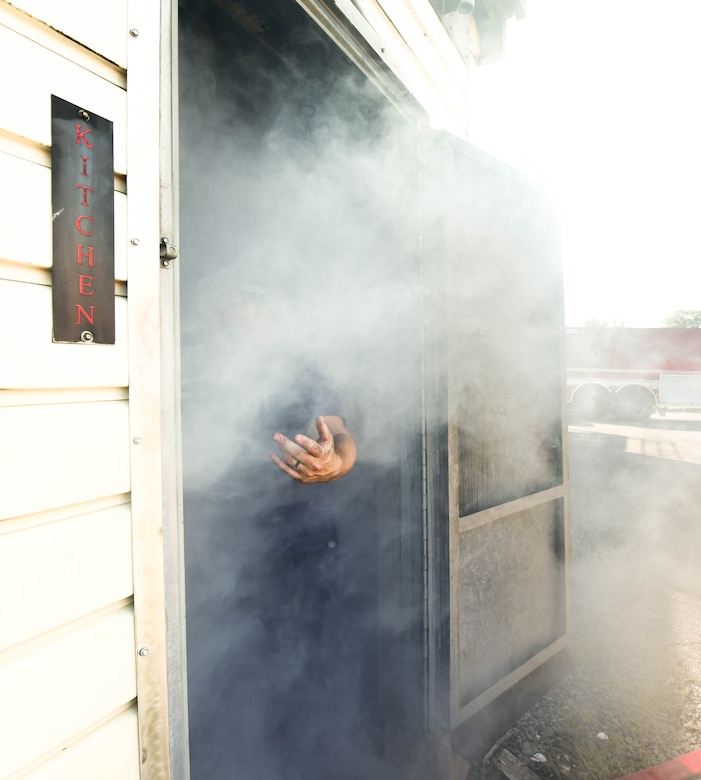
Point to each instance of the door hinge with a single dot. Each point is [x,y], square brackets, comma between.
[168,252]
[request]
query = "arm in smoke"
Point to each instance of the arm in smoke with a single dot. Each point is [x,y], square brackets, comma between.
[328,458]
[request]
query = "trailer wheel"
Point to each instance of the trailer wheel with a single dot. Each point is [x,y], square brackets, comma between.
[591,402]
[634,402]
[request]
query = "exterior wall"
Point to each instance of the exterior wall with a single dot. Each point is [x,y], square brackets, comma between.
[88,492]
[81,506]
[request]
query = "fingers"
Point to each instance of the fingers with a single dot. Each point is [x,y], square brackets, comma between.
[335,424]
[325,436]
[294,455]
[283,466]
[302,446]
[324,444]
[287,447]
[304,459]
[309,445]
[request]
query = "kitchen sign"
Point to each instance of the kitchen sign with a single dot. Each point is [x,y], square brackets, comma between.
[82,194]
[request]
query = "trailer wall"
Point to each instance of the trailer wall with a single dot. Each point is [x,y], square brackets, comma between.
[81,505]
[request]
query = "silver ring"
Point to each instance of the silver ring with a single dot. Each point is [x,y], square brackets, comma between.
[297,465]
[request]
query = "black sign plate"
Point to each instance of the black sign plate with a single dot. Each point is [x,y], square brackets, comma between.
[82,193]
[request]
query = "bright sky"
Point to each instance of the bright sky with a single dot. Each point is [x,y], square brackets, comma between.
[600,101]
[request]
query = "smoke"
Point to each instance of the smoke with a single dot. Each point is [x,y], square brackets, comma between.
[299,245]
[312,233]
[299,273]
[636,586]
[635,533]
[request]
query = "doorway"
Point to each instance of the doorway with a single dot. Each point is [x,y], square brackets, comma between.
[300,294]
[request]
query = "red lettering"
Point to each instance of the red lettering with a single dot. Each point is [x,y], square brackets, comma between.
[82,313]
[85,252]
[80,136]
[85,285]
[86,190]
[84,172]
[79,227]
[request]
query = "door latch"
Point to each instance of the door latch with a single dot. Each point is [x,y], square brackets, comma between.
[168,252]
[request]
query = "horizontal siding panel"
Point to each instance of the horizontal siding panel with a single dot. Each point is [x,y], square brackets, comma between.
[29,358]
[63,571]
[62,454]
[25,109]
[25,230]
[104,32]
[58,689]
[109,753]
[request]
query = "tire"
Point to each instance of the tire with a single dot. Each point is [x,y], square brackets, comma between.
[634,402]
[591,402]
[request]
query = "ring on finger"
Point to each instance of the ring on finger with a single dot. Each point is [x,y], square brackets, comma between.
[297,465]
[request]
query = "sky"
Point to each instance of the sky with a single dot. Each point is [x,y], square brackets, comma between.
[600,103]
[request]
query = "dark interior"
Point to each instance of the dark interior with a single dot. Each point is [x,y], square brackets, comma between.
[292,192]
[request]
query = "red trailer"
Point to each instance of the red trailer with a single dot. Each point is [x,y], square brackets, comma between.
[629,373]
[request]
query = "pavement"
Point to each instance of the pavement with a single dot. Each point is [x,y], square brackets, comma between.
[632,703]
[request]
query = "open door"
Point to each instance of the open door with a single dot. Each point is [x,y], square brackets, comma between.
[300,281]
[497,515]
[326,234]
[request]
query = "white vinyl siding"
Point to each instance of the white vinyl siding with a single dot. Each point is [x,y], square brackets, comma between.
[31,184]
[63,570]
[59,454]
[114,747]
[25,310]
[25,109]
[53,691]
[103,31]
[72,542]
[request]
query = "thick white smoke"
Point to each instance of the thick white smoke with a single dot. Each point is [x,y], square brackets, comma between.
[314,223]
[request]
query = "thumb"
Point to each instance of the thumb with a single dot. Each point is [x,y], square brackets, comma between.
[324,433]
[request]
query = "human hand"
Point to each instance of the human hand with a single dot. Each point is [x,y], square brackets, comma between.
[307,461]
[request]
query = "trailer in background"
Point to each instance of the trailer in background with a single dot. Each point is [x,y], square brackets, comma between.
[629,373]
